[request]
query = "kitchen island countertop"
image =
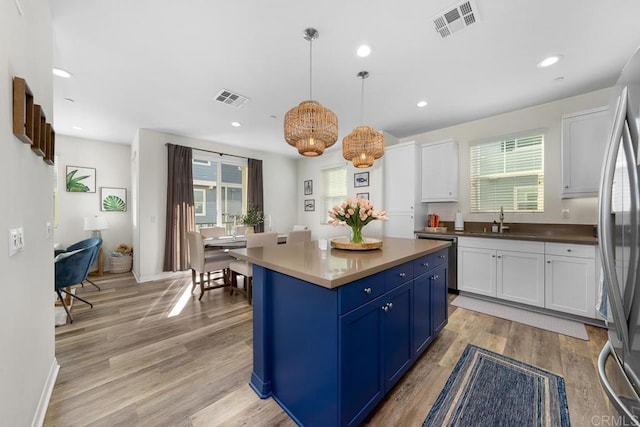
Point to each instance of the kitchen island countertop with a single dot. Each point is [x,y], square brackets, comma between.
[333,267]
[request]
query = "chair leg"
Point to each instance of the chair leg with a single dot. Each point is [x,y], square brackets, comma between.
[76,297]
[201,286]
[234,282]
[64,305]
[193,280]
[90,281]
[249,285]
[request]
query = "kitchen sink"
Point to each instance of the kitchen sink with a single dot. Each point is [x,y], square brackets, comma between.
[513,235]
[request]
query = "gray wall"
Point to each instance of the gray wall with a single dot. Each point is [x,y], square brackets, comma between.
[27,360]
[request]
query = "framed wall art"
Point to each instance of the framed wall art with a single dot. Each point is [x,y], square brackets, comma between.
[310,205]
[361,179]
[308,187]
[81,179]
[364,196]
[113,199]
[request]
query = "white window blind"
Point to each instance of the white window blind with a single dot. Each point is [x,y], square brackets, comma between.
[508,174]
[200,201]
[334,187]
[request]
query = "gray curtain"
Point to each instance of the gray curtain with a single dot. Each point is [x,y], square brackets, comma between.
[180,208]
[254,188]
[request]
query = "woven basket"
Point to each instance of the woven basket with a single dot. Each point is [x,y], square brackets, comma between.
[120,264]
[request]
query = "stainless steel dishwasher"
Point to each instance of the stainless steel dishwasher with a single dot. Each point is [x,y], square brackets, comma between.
[453,257]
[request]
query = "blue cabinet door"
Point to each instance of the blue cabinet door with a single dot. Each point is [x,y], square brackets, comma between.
[422,313]
[439,298]
[397,337]
[361,370]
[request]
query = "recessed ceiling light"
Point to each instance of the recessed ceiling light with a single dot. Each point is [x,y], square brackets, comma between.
[558,79]
[69,100]
[76,128]
[364,51]
[235,124]
[422,104]
[546,62]
[61,73]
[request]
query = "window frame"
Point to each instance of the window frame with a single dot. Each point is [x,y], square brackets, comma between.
[500,143]
[329,202]
[203,202]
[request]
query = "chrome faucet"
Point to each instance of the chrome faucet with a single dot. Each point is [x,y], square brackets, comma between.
[502,227]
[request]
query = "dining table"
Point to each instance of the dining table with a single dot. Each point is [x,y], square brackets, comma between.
[233,242]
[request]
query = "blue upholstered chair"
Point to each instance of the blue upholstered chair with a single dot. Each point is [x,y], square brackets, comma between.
[87,243]
[71,268]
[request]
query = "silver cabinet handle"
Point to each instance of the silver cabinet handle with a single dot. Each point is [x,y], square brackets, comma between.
[443,256]
[390,305]
[499,256]
[548,262]
[385,308]
[493,256]
[568,250]
[425,264]
[402,274]
[367,291]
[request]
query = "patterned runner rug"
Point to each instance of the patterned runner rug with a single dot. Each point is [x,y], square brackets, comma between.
[488,389]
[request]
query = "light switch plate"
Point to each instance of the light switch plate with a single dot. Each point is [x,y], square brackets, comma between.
[13,241]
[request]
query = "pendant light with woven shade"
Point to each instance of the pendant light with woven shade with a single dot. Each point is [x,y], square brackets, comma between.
[310,127]
[364,144]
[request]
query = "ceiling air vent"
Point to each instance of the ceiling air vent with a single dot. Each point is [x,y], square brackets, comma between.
[456,18]
[231,98]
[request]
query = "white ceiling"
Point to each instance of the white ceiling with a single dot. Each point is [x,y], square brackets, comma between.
[158,64]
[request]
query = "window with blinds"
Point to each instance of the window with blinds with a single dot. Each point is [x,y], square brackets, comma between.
[334,187]
[508,174]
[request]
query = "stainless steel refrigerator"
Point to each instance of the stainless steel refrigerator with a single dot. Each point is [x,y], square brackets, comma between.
[618,222]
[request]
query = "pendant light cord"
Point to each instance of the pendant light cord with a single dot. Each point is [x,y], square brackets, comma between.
[362,103]
[310,69]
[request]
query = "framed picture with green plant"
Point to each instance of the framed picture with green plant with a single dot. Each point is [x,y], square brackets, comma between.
[113,199]
[81,179]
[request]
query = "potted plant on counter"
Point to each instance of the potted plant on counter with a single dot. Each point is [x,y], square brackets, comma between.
[252,218]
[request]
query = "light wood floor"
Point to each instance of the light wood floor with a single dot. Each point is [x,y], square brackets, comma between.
[126,362]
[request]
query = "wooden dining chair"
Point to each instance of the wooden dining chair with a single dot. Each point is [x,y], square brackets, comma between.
[217,262]
[299,236]
[245,268]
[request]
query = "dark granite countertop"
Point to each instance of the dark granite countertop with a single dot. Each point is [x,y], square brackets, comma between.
[555,233]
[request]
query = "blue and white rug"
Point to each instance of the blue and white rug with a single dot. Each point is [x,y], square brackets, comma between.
[488,389]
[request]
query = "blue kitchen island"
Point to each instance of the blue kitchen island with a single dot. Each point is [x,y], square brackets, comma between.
[334,330]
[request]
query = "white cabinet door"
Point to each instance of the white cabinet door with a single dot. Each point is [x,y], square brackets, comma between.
[584,137]
[477,270]
[399,225]
[520,277]
[570,285]
[440,172]
[400,178]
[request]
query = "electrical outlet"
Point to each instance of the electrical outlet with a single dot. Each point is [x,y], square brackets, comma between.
[49,230]
[565,213]
[13,241]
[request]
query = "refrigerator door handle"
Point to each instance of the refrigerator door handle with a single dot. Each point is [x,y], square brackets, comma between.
[613,397]
[634,188]
[605,226]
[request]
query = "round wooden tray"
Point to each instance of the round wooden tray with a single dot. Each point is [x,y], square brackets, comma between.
[344,243]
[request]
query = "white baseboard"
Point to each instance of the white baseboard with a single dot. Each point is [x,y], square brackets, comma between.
[45,397]
[161,276]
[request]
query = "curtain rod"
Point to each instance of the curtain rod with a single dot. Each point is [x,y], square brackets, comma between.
[210,151]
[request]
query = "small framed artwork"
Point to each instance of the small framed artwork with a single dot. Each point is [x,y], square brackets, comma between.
[361,179]
[113,199]
[81,179]
[310,205]
[308,187]
[364,196]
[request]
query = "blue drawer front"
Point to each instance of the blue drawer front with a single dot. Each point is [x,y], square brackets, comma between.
[359,292]
[396,276]
[429,262]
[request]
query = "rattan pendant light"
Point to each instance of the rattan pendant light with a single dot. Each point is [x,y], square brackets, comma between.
[310,127]
[364,144]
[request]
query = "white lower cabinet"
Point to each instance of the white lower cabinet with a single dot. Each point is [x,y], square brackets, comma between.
[555,276]
[570,282]
[521,277]
[507,269]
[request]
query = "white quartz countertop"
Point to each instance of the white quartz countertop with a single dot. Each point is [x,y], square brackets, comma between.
[335,267]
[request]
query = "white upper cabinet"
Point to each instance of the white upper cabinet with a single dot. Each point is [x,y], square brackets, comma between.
[584,137]
[440,171]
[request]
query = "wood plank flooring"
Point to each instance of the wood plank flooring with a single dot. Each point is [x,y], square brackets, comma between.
[136,359]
